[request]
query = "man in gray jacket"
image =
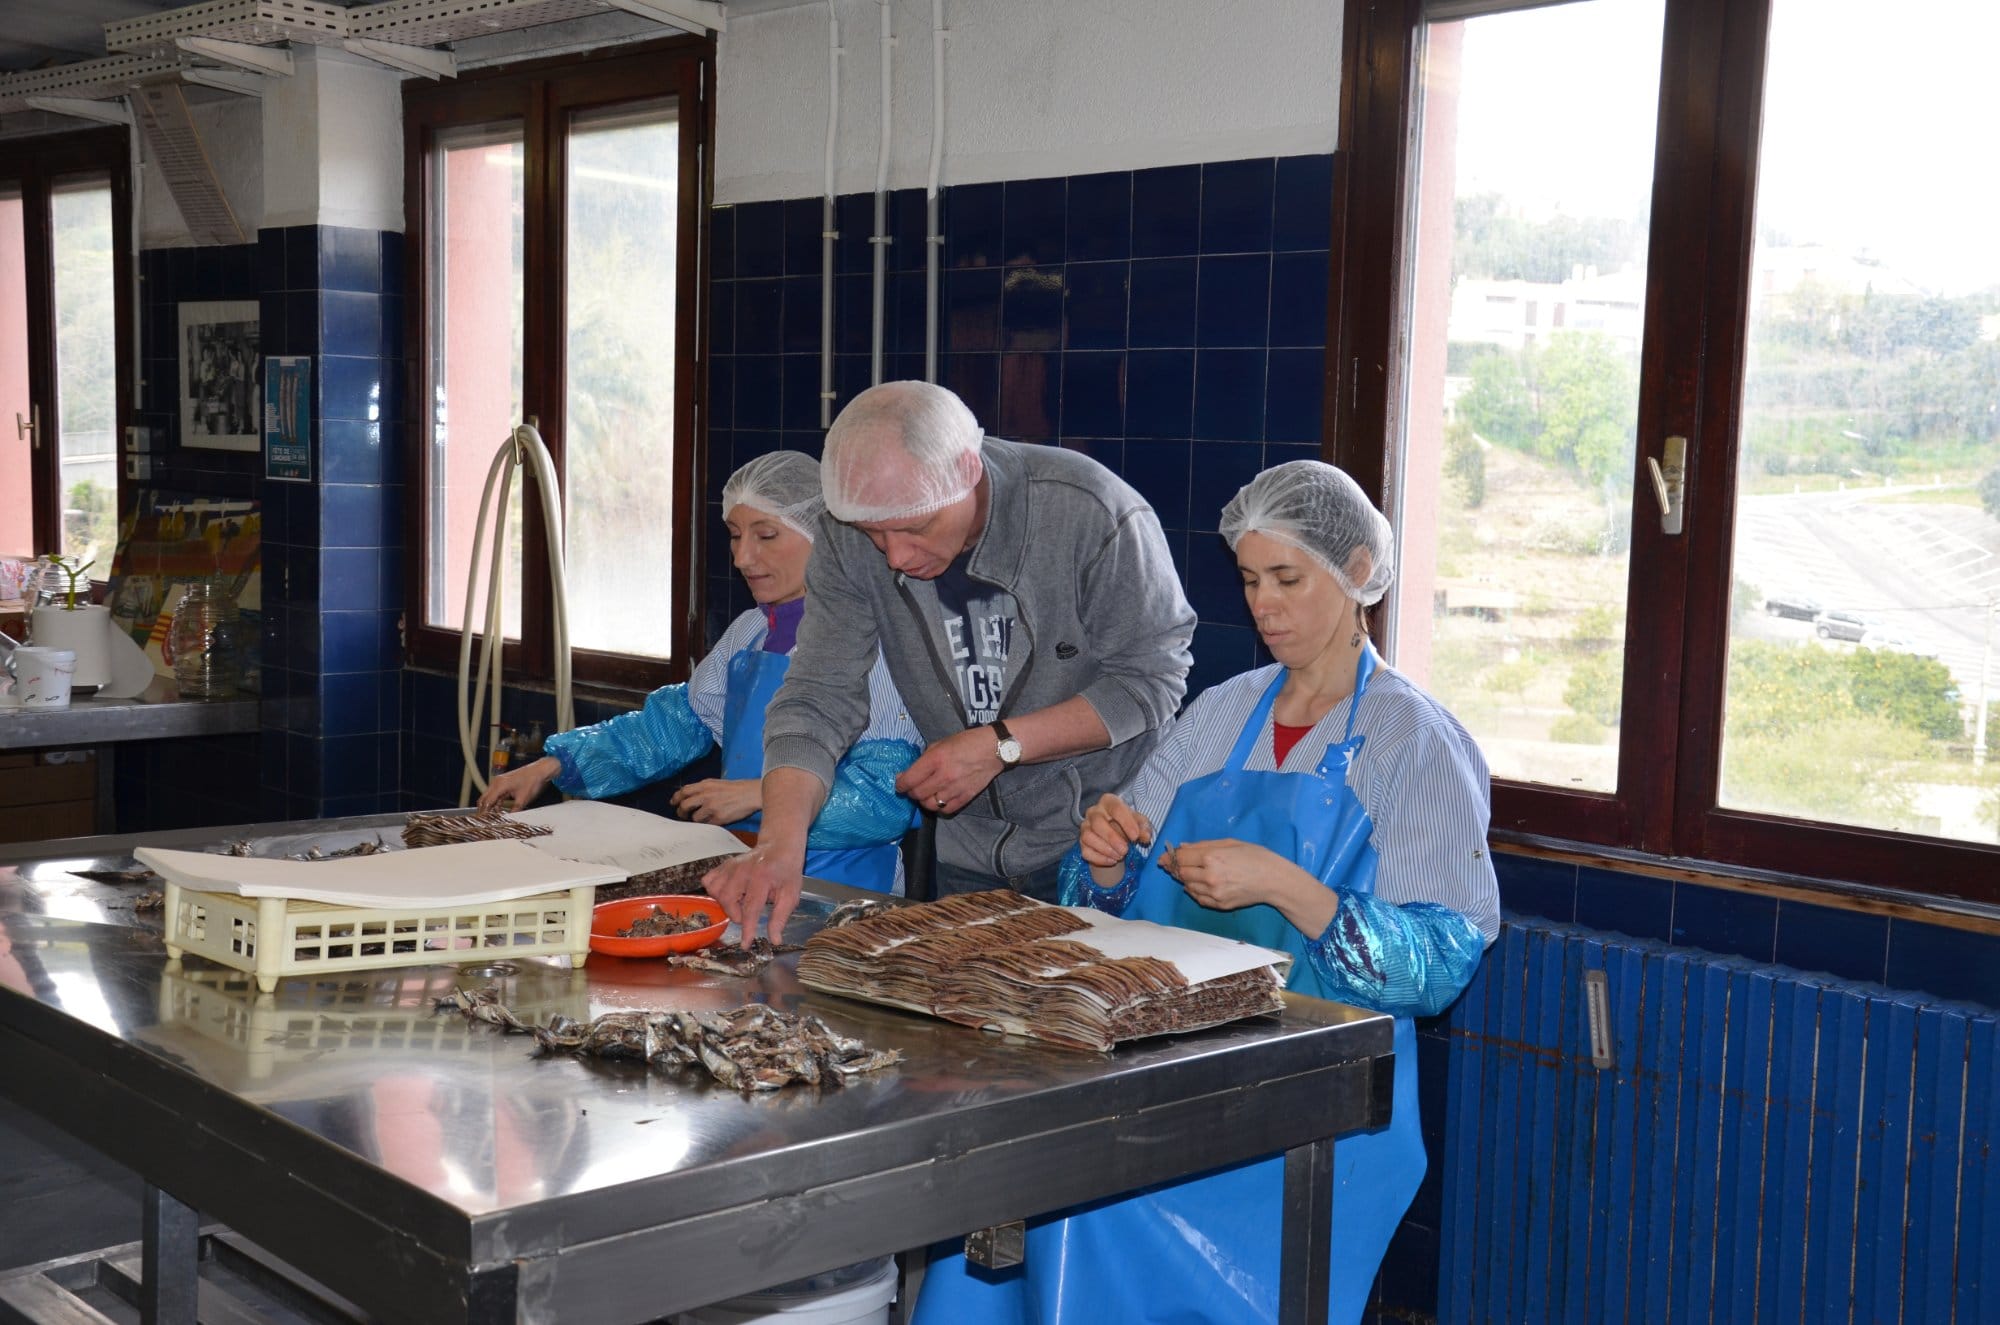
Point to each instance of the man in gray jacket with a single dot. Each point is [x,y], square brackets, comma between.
[1030,614]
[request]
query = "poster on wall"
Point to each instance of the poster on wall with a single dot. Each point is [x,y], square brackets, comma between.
[288,455]
[219,365]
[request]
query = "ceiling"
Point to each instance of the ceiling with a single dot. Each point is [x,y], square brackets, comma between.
[38,33]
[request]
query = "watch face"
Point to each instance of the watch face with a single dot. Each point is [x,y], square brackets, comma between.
[1010,751]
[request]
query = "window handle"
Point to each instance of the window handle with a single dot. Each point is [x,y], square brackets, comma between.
[29,426]
[1670,483]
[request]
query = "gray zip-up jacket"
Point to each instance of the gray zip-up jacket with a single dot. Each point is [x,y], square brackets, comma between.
[1101,614]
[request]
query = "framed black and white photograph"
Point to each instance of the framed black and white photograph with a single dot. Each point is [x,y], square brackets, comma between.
[220,367]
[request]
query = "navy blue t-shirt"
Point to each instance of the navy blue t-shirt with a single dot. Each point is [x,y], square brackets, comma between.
[979,629]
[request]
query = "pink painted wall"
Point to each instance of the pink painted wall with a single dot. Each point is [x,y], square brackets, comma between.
[483,210]
[17,526]
[1423,429]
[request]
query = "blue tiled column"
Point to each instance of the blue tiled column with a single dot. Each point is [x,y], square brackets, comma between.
[333,560]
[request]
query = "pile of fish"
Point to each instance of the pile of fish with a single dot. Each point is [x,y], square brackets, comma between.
[656,924]
[430,830]
[674,880]
[751,1048]
[1004,962]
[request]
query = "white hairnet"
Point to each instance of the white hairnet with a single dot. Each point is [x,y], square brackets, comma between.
[898,451]
[1322,512]
[782,484]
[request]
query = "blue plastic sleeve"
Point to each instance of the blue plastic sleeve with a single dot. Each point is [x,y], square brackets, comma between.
[863,807]
[1409,961]
[632,749]
[1077,887]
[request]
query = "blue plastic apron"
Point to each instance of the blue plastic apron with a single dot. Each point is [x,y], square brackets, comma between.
[1205,1250]
[754,678]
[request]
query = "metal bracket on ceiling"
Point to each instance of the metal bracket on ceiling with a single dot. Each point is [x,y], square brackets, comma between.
[410,59]
[688,15]
[253,59]
[228,80]
[109,112]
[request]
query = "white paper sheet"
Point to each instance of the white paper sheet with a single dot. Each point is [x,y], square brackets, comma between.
[1200,957]
[460,874]
[631,841]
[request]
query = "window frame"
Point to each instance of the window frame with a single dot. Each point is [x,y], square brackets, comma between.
[39,164]
[1691,374]
[542,95]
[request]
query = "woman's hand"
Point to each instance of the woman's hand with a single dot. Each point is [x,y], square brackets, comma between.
[719,800]
[1110,829]
[517,788]
[1228,875]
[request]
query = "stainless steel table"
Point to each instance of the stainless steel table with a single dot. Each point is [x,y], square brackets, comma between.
[431,1169]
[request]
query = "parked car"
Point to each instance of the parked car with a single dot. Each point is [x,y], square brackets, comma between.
[1895,641]
[1840,625]
[1796,606]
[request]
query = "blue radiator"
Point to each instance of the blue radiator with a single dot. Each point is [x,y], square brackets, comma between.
[1709,1139]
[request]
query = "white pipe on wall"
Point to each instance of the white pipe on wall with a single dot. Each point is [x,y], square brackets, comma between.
[880,240]
[933,232]
[828,230]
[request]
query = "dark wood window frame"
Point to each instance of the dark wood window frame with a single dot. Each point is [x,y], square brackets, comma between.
[542,95]
[1691,385]
[39,164]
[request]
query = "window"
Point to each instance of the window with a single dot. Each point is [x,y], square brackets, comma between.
[555,218]
[65,343]
[1723,244]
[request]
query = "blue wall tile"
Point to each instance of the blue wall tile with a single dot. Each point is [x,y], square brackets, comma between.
[1233,301]
[1229,395]
[350,259]
[1093,395]
[760,316]
[760,239]
[1031,308]
[1298,298]
[1030,396]
[353,515]
[351,324]
[1159,393]
[1952,963]
[1294,395]
[973,233]
[1214,586]
[1095,308]
[970,311]
[802,221]
[1632,904]
[1725,921]
[1532,886]
[1852,944]
[1219,469]
[1166,211]
[1163,303]
[1303,214]
[351,577]
[1236,206]
[801,391]
[801,317]
[1100,216]
[976,380]
[1034,230]
[721,242]
[1159,470]
[759,391]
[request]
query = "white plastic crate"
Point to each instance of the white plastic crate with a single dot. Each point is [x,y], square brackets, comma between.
[275,937]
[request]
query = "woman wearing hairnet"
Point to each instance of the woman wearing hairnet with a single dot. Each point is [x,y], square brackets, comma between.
[771,506]
[1325,806]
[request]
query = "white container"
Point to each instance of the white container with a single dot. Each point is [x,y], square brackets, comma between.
[85,630]
[837,1297]
[42,678]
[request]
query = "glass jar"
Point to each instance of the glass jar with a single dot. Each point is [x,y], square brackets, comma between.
[204,643]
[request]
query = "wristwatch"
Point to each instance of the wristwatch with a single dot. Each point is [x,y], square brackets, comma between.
[1010,749]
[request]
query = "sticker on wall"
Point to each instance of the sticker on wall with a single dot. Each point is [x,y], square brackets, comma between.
[288,453]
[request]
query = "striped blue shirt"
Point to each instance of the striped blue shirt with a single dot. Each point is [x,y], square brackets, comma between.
[1419,775]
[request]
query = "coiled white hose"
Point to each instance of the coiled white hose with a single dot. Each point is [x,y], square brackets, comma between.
[523,446]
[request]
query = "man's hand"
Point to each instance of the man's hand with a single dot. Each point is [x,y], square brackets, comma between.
[1110,829]
[719,800]
[743,884]
[516,790]
[952,771]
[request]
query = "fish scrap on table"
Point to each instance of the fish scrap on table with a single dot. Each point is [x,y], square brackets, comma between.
[429,830]
[750,1048]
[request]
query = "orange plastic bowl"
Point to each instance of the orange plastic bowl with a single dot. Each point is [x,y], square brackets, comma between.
[607,918]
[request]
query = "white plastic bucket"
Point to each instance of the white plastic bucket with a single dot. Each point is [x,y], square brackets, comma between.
[856,1295]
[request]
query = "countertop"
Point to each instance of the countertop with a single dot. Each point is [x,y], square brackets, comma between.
[156,712]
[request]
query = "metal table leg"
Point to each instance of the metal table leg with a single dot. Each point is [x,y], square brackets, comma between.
[1307,1234]
[170,1260]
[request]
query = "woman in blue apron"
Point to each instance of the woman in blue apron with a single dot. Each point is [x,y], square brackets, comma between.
[1324,806]
[771,506]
